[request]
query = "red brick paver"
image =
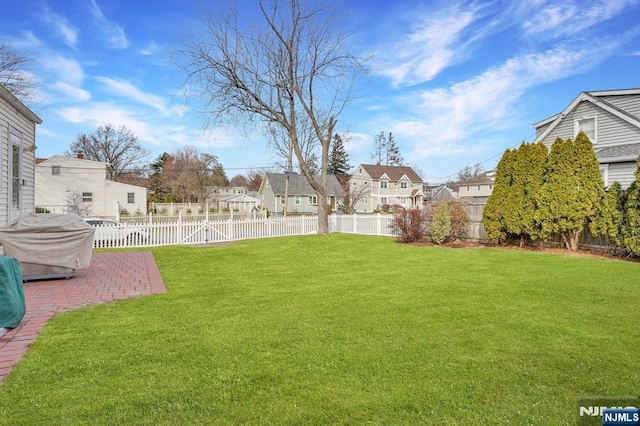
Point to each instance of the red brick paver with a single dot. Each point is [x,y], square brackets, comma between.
[110,276]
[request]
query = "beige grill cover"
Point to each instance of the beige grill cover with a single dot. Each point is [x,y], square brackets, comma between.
[63,240]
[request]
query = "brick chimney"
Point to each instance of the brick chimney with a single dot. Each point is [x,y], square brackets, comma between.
[80,155]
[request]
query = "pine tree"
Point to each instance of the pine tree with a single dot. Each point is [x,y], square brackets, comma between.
[522,201]
[441,224]
[379,148]
[494,211]
[573,189]
[631,228]
[339,160]
[394,157]
[609,220]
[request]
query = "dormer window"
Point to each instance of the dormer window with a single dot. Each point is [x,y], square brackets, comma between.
[403,184]
[588,126]
[383,184]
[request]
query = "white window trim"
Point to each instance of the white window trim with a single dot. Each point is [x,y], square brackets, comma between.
[18,135]
[576,126]
[298,200]
[385,182]
[604,171]
[313,200]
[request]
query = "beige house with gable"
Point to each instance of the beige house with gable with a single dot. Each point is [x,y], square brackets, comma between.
[17,161]
[378,186]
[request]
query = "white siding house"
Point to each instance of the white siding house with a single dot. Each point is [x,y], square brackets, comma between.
[65,184]
[17,147]
[611,120]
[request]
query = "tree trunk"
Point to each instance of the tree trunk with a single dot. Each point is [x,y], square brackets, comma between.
[323,216]
[523,239]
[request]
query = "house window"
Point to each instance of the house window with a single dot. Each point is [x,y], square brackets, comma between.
[604,171]
[282,200]
[15,176]
[298,200]
[55,170]
[478,187]
[131,197]
[87,197]
[588,126]
[403,184]
[402,200]
[383,200]
[313,200]
[383,184]
[364,200]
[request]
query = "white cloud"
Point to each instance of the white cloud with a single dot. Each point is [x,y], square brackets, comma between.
[126,89]
[569,18]
[152,49]
[438,40]
[67,70]
[75,93]
[113,33]
[149,130]
[62,26]
[452,116]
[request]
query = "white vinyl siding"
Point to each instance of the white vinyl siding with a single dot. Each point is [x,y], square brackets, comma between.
[623,173]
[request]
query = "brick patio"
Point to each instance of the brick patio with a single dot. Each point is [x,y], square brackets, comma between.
[111,276]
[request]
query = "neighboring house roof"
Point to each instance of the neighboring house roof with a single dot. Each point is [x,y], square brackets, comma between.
[614,154]
[298,185]
[97,164]
[440,193]
[394,173]
[17,104]
[239,198]
[596,98]
[481,179]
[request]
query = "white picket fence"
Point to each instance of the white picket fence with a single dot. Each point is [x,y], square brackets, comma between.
[220,231]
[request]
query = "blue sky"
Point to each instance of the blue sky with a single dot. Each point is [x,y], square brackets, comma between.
[457,82]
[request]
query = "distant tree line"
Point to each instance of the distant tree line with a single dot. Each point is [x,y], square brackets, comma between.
[540,192]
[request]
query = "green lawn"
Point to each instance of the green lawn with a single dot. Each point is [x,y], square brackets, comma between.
[341,330]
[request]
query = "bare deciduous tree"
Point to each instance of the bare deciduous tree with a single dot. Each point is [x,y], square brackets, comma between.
[13,75]
[293,64]
[467,173]
[75,202]
[193,174]
[354,193]
[118,147]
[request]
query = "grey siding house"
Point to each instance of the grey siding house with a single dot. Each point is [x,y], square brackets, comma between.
[611,120]
[301,196]
[17,160]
